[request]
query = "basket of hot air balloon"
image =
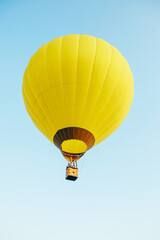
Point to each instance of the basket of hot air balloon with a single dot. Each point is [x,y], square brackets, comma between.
[77,89]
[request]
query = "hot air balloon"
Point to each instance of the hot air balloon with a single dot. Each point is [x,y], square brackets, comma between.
[77,89]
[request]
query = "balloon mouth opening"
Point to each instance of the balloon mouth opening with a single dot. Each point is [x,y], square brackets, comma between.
[73,142]
[73,149]
[73,146]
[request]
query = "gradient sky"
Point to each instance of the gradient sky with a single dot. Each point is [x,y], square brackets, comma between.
[117,195]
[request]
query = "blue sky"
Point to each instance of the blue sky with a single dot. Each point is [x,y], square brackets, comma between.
[117,195]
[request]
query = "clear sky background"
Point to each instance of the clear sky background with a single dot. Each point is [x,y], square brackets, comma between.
[117,195]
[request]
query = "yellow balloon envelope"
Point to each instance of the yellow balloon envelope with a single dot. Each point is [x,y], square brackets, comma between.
[77,90]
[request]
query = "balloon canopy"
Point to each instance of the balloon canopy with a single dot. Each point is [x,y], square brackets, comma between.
[77,89]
